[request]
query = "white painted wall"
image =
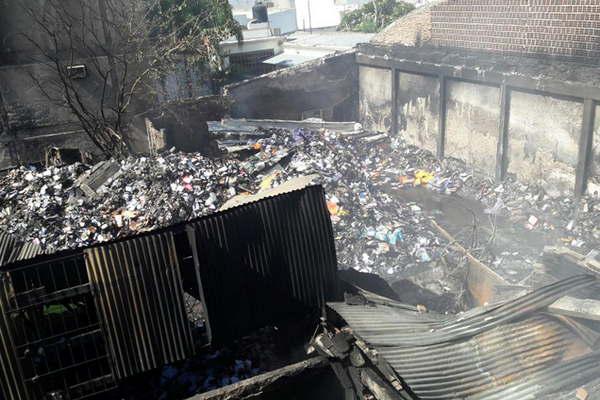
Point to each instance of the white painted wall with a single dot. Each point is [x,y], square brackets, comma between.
[323,14]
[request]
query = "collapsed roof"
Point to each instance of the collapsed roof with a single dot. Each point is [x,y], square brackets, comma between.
[512,350]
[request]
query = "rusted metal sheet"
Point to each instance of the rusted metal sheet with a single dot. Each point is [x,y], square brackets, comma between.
[11,250]
[265,260]
[139,294]
[486,353]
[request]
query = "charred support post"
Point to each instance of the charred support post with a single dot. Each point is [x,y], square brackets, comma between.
[394,101]
[380,388]
[585,147]
[502,154]
[441,144]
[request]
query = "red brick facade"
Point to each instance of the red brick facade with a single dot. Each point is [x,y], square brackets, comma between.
[569,28]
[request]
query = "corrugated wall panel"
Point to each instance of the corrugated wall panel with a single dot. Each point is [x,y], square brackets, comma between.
[12,250]
[266,259]
[11,380]
[138,290]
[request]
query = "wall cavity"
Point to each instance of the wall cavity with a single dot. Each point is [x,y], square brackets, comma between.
[418,105]
[543,140]
[472,120]
[375,98]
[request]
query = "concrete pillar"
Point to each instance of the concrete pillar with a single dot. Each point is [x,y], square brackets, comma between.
[584,159]
[502,155]
[441,145]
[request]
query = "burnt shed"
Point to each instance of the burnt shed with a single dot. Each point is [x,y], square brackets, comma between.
[76,323]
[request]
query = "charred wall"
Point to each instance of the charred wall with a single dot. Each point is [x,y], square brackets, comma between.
[328,84]
[418,109]
[543,139]
[375,98]
[472,119]
[37,121]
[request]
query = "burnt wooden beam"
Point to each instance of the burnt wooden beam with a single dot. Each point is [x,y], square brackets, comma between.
[442,111]
[502,153]
[482,281]
[577,308]
[584,159]
[249,388]
[536,85]
[380,389]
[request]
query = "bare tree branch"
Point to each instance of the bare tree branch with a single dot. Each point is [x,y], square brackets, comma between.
[129,48]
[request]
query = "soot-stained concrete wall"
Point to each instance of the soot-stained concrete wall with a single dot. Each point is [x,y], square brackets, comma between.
[375,98]
[27,106]
[324,84]
[543,140]
[472,120]
[418,105]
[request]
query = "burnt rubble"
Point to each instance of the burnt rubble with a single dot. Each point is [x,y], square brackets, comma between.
[377,193]
[376,230]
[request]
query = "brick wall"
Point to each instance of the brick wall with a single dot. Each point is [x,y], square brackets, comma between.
[566,28]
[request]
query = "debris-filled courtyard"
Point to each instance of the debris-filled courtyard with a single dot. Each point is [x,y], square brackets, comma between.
[382,195]
[341,200]
[406,224]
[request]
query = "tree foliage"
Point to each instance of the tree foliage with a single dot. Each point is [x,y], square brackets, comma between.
[186,21]
[374,16]
[129,47]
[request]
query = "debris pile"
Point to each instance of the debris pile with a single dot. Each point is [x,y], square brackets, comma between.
[260,351]
[45,206]
[375,230]
[537,209]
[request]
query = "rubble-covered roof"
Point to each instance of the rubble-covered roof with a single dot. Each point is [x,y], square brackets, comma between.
[326,39]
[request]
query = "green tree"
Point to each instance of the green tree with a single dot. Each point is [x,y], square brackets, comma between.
[195,26]
[374,16]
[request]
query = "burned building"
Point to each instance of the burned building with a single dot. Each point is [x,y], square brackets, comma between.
[36,115]
[511,89]
[475,151]
[76,323]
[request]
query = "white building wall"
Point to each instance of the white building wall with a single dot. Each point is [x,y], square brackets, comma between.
[283,20]
[317,14]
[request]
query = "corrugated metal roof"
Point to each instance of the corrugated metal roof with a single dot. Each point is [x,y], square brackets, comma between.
[292,185]
[509,351]
[11,377]
[265,260]
[12,250]
[139,294]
